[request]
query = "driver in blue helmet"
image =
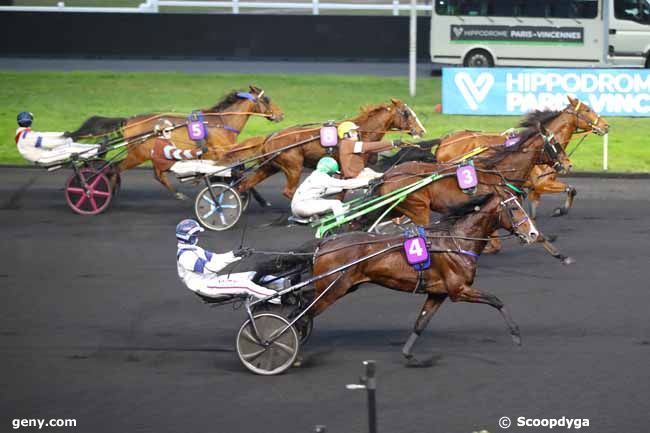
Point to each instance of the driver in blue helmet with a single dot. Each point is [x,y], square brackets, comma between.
[47,147]
[199,268]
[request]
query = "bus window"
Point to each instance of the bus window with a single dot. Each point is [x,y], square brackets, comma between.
[633,10]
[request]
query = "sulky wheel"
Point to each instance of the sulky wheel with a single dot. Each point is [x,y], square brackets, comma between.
[88,192]
[268,355]
[218,207]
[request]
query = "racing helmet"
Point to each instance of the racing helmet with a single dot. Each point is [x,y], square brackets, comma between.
[164,127]
[25,119]
[327,165]
[346,127]
[187,231]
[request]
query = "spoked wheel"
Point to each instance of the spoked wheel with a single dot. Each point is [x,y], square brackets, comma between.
[88,192]
[267,355]
[245,200]
[218,207]
[305,327]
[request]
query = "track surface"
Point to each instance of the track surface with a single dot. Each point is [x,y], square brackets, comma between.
[95,325]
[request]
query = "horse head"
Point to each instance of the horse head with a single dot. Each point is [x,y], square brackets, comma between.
[513,217]
[264,105]
[586,118]
[405,119]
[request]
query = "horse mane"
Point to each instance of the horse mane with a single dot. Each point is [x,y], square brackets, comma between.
[367,111]
[468,207]
[407,154]
[500,152]
[225,102]
[534,118]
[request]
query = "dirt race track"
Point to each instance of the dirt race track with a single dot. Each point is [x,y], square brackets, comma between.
[96,326]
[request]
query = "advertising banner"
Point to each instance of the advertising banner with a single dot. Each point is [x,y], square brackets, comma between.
[515,91]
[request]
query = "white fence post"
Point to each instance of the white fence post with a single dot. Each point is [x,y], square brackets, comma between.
[235,6]
[605,151]
[315,7]
[395,7]
[413,47]
[152,5]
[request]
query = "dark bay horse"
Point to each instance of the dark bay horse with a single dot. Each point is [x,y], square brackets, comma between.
[504,164]
[564,124]
[453,251]
[374,122]
[225,120]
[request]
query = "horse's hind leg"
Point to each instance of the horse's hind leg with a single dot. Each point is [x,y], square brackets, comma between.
[164,180]
[551,186]
[470,294]
[431,305]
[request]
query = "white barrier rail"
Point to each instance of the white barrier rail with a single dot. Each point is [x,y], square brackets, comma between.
[153,6]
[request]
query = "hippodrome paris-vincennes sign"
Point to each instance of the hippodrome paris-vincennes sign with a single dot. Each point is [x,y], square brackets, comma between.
[515,91]
[517,34]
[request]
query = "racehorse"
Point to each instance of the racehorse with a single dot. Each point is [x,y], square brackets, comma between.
[505,165]
[225,120]
[454,252]
[543,180]
[374,121]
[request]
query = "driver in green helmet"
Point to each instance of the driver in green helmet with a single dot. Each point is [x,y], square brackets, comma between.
[308,199]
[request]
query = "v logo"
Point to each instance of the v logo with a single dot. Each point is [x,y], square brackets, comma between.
[474,92]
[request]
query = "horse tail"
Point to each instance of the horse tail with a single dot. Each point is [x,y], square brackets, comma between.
[299,262]
[97,125]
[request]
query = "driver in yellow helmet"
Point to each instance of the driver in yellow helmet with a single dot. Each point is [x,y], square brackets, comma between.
[353,152]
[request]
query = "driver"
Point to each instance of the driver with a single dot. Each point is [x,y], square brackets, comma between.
[308,199]
[351,151]
[47,147]
[165,154]
[198,268]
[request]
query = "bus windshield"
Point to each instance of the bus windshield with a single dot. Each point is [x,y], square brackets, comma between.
[633,10]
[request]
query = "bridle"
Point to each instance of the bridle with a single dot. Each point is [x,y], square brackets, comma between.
[511,216]
[552,149]
[593,125]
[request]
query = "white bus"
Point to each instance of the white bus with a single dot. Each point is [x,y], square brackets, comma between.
[560,33]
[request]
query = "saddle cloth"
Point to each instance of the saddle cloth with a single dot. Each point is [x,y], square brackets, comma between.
[199,166]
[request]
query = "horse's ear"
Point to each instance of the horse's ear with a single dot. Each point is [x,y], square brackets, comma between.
[395,101]
[572,101]
[254,88]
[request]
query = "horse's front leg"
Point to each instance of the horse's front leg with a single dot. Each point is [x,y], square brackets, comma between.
[470,294]
[546,243]
[431,305]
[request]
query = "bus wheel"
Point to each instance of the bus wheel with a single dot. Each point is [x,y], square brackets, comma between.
[478,59]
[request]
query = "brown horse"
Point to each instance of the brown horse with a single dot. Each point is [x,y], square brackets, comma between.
[374,121]
[505,164]
[563,124]
[225,120]
[453,262]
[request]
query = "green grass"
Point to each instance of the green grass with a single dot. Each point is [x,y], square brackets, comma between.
[61,101]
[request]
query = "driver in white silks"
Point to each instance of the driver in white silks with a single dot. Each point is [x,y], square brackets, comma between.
[308,199]
[47,147]
[198,268]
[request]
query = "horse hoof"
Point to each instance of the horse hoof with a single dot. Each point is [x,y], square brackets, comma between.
[568,261]
[559,211]
[266,204]
[298,362]
[180,196]
[516,339]
[413,362]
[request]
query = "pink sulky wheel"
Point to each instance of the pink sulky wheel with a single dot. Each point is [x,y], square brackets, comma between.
[88,192]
